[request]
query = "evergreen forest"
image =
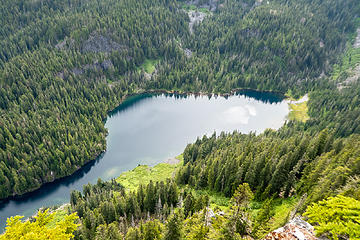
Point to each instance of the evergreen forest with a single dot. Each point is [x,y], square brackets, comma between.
[64,65]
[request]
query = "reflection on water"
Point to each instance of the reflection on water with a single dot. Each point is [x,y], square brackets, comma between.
[148,129]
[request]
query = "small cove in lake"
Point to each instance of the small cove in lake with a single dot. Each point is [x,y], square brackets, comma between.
[151,128]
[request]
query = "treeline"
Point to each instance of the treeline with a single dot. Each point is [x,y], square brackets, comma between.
[106,208]
[319,166]
[269,164]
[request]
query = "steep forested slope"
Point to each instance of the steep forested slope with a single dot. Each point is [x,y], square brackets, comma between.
[65,64]
[273,45]
[55,94]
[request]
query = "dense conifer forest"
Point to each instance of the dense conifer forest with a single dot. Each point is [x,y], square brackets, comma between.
[64,65]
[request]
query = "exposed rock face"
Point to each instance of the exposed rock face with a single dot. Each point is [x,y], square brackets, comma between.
[296,229]
[357,40]
[96,66]
[99,43]
[188,52]
[195,18]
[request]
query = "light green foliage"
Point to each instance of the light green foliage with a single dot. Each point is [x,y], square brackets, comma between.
[281,209]
[58,216]
[299,112]
[151,230]
[149,65]
[196,227]
[109,232]
[261,225]
[38,229]
[242,196]
[350,59]
[238,221]
[335,217]
[217,200]
[174,227]
[143,174]
[189,7]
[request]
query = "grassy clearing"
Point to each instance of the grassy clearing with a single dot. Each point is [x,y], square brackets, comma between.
[282,209]
[59,215]
[299,112]
[149,65]
[217,200]
[191,7]
[143,174]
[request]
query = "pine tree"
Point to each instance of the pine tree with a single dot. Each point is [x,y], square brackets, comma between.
[173,229]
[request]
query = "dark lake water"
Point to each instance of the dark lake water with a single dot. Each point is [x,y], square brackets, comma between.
[149,129]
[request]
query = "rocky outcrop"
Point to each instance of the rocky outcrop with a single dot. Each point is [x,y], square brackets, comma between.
[99,43]
[67,43]
[357,40]
[296,229]
[195,18]
[96,66]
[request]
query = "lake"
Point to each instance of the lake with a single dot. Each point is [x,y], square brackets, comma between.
[149,129]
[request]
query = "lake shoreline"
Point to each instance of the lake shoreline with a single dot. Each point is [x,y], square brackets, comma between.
[126,97]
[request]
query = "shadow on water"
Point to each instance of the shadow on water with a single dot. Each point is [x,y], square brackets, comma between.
[130,102]
[51,187]
[13,204]
[265,97]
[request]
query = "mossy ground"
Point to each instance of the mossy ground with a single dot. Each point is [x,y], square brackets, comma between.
[299,112]
[59,215]
[143,174]
[149,65]
[192,7]
[282,209]
[217,200]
